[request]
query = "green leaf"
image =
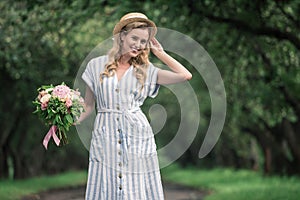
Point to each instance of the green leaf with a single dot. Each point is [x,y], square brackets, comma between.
[69,118]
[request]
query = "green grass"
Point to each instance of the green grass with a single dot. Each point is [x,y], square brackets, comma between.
[14,189]
[235,184]
[223,184]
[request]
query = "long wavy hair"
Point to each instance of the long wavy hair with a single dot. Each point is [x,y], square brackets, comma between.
[140,62]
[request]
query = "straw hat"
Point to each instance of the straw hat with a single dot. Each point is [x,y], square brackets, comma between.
[134,17]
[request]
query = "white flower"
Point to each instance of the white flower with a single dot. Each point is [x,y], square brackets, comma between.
[45,98]
[49,90]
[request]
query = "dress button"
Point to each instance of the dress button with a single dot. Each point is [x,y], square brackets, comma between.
[120,187]
[118,107]
[119,152]
[120,175]
[120,164]
[119,130]
[117,90]
[119,141]
[118,119]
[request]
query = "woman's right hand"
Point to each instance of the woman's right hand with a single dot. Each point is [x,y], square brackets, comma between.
[156,47]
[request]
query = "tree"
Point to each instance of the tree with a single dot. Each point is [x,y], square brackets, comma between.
[37,39]
[267,60]
[256,47]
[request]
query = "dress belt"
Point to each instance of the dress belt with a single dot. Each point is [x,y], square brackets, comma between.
[124,140]
[125,112]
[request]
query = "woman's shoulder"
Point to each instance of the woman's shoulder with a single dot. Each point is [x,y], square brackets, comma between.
[151,73]
[97,64]
[99,60]
[152,68]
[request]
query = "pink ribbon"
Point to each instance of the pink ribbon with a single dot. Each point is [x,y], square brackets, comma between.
[51,133]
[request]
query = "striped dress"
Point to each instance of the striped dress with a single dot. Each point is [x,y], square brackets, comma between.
[123,162]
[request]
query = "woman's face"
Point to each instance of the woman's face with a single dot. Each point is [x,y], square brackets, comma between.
[135,41]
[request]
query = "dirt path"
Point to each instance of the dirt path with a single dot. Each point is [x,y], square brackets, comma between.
[172,192]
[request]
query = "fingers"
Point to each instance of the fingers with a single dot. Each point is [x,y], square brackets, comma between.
[155,46]
[154,41]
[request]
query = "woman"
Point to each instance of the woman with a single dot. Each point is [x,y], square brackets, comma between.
[123,159]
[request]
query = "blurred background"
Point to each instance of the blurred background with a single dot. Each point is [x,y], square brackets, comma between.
[255,45]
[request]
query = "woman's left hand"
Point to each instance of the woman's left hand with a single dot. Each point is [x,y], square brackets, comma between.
[156,47]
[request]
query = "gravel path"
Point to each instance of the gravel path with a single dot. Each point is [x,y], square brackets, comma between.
[172,192]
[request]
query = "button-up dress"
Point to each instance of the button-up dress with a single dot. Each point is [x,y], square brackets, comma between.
[123,160]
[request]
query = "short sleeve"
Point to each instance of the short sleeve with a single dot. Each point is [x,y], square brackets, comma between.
[88,77]
[153,86]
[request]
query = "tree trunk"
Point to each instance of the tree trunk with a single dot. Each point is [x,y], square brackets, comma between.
[275,156]
[19,158]
[290,132]
[18,168]
[268,160]
[4,167]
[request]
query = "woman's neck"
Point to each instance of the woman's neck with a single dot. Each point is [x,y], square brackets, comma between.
[124,61]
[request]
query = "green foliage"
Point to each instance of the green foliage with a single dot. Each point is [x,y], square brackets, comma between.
[256,48]
[37,47]
[254,44]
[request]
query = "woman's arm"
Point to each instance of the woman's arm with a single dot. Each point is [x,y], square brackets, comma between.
[89,105]
[178,74]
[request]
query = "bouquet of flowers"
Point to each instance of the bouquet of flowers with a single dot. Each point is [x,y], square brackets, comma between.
[59,107]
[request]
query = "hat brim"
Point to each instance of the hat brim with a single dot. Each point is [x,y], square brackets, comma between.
[121,24]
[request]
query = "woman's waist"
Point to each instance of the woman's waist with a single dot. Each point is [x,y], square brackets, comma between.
[118,110]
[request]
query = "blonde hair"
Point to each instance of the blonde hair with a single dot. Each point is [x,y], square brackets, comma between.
[140,63]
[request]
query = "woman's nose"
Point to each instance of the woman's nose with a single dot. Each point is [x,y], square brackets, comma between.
[138,44]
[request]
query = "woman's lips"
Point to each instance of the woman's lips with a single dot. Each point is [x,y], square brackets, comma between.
[135,50]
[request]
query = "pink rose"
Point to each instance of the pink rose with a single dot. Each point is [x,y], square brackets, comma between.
[44,106]
[61,91]
[69,103]
[45,99]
